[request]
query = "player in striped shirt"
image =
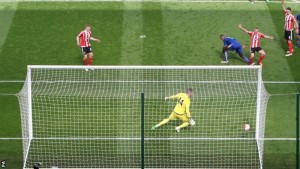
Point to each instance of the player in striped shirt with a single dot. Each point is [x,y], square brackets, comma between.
[290,24]
[255,44]
[83,41]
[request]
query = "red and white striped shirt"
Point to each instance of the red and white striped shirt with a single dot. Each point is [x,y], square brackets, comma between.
[85,38]
[289,19]
[255,39]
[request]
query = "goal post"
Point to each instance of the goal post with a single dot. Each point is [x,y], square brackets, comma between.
[24,98]
[102,118]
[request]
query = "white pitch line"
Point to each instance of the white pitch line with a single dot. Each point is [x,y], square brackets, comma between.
[62,81]
[179,1]
[12,81]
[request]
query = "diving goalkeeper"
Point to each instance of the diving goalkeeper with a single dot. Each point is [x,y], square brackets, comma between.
[181,110]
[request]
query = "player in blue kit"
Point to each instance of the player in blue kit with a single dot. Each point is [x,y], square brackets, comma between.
[298,35]
[231,44]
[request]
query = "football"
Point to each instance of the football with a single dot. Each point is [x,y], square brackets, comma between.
[247,127]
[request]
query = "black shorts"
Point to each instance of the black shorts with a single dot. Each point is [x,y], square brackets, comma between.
[256,49]
[288,35]
[86,50]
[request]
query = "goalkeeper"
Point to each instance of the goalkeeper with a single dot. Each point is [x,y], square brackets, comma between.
[181,110]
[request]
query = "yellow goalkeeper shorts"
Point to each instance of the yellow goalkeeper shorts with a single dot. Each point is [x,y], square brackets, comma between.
[175,116]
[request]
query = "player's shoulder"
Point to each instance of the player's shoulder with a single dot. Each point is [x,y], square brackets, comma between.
[181,94]
[81,32]
[261,34]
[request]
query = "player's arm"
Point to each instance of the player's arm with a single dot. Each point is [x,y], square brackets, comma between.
[268,37]
[94,39]
[241,27]
[188,113]
[283,5]
[226,45]
[172,97]
[296,26]
[78,39]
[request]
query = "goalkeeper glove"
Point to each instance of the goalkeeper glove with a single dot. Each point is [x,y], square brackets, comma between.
[192,122]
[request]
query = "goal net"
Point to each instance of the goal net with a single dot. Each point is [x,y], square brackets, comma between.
[72,118]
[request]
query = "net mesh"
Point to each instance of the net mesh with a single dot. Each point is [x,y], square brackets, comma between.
[93,119]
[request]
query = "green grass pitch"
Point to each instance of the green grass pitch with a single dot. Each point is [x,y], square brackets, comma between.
[177,33]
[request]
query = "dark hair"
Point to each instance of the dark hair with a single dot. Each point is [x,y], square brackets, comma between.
[288,8]
[221,35]
[189,90]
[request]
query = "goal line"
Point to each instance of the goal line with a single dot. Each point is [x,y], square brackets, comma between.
[64,81]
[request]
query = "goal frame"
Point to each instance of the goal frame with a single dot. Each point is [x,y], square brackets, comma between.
[29,95]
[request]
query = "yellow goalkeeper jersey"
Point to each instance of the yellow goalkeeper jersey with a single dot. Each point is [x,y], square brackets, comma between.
[183,104]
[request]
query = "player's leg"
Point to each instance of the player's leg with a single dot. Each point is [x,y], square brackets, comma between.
[298,39]
[261,57]
[289,38]
[90,60]
[83,49]
[251,58]
[225,52]
[239,50]
[185,123]
[164,121]
[84,59]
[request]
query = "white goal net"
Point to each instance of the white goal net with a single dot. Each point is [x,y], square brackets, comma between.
[72,118]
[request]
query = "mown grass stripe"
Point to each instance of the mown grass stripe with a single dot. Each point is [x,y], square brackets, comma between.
[132,44]
[7,12]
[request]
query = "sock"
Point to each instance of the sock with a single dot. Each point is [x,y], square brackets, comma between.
[261,58]
[163,122]
[251,60]
[183,125]
[84,61]
[90,60]
[298,42]
[290,46]
[226,56]
[246,59]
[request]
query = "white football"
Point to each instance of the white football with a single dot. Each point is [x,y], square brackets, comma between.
[247,127]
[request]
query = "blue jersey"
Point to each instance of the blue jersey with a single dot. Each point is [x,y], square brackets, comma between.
[235,44]
[229,40]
